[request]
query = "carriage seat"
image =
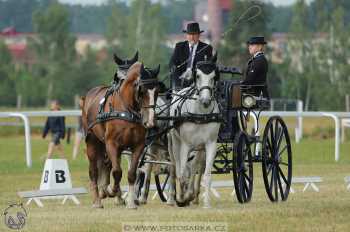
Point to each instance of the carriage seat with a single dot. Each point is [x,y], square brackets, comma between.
[233,95]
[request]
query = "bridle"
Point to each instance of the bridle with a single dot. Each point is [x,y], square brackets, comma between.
[213,67]
[142,85]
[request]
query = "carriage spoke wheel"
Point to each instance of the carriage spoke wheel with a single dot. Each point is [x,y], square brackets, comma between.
[162,180]
[243,168]
[222,160]
[276,159]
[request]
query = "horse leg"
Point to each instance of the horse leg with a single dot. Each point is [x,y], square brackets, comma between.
[114,155]
[172,174]
[210,150]
[200,170]
[104,172]
[181,158]
[92,152]
[191,172]
[147,169]
[131,198]
[146,183]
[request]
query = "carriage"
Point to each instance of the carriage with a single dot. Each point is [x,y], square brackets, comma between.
[239,144]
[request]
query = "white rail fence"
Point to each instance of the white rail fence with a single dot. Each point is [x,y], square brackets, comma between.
[335,116]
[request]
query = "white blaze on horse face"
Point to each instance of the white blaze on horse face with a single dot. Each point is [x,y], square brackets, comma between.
[121,74]
[205,80]
[151,95]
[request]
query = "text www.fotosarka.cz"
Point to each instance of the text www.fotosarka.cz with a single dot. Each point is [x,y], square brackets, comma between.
[174,226]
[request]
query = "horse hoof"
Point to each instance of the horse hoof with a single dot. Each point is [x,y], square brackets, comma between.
[132,206]
[102,194]
[142,202]
[195,202]
[181,204]
[206,206]
[119,201]
[110,192]
[97,206]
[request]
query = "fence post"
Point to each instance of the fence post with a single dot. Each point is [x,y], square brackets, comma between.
[19,102]
[299,127]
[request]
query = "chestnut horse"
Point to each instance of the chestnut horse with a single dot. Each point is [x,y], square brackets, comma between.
[126,114]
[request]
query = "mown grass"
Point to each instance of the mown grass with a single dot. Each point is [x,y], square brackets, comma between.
[327,210]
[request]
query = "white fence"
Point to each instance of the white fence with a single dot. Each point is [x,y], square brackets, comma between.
[336,116]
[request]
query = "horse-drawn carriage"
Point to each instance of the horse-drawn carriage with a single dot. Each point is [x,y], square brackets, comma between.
[204,129]
[239,145]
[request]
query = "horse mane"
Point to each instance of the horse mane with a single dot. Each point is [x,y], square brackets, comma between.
[127,89]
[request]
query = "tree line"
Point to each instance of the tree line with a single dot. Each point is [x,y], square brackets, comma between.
[315,64]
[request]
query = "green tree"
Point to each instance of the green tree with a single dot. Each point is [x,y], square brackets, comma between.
[55,46]
[143,30]
[7,84]
[242,26]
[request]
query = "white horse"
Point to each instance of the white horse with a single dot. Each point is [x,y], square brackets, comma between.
[197,132]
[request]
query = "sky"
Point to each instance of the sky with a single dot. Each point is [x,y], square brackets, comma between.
[275,2]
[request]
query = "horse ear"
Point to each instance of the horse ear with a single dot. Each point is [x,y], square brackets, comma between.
[142,70]
[156,71]
[214,58]
[117,60]
[135,58]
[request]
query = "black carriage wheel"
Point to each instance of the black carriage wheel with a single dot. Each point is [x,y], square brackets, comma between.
[140,183]
[161,183]
[276,159]
[243,168]
[222,160]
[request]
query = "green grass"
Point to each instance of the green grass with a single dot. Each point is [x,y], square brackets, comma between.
[327,210]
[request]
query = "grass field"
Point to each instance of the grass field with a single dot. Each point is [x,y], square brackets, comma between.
[327,210]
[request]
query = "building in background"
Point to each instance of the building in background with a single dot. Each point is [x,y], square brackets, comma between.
[212,15]
[17,43]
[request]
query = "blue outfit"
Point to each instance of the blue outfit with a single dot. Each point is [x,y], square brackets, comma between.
[57,127]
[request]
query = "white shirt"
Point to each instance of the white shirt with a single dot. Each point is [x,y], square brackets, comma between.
[257,53]
[193,52]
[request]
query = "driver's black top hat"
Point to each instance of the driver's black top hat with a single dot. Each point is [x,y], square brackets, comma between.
[192,28]
[257,40]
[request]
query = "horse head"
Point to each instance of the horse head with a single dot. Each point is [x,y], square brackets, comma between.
[147,93]
[206,74]
[124,65]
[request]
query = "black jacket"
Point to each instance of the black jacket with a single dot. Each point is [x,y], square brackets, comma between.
[181,53]
[55,125]
[255,74]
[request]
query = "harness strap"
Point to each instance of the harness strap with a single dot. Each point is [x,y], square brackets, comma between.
[199,118]
[123,115]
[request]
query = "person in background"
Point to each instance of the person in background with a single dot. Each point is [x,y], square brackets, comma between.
[55,125]
[79,134]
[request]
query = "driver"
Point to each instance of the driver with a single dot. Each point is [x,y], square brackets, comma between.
[186,55]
